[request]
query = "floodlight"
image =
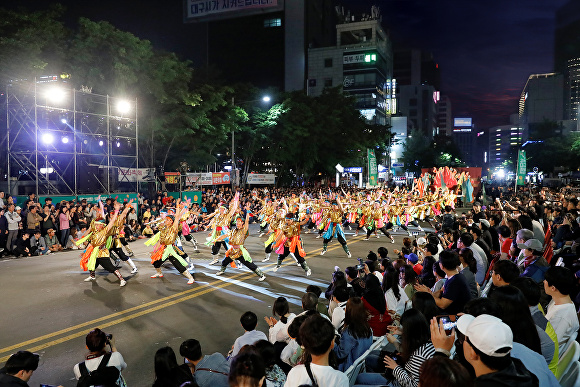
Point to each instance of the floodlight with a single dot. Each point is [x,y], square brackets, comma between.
[47,138]
[101,143]
[123,106]
[55,94]
[118,144]
[65,140]
[266,98]
[46,171]
[63,120]
[500,174]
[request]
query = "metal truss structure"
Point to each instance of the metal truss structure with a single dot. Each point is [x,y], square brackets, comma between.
[64,141]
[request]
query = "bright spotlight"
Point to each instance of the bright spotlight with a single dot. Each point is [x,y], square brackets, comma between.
[63,120]
[500,174]
[65,140]
[101,143]
[266,99]
[123,106]
[118,144]
[55,94]
[47,138]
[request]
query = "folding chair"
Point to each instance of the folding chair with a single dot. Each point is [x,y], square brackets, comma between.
[572,377]
[568,358]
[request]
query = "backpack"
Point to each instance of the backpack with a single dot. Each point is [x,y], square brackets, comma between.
[103,376]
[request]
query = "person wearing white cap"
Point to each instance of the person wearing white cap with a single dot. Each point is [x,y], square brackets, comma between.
[487,346]
[535,266]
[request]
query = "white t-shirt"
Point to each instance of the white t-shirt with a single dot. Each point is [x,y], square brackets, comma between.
[338,315]
[393,304]
[564,321]
[279,332]
[325,376]
[116,360]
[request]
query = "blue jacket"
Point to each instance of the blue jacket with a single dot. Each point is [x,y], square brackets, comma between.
[350,348]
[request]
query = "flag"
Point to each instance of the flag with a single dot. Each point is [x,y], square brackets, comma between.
[548,249]
[484,195]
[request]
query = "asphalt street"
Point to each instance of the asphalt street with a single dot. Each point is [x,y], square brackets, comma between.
[48,309]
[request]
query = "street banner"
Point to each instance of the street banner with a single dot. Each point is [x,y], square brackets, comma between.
[259,178]
[221,178]
[373,171]
[195,196]
[172,177]
[133,175]
[521,168]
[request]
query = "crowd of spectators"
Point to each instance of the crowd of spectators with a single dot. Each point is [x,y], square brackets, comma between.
[490,298]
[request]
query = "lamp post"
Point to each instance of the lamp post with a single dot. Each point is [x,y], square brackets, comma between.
[263,99]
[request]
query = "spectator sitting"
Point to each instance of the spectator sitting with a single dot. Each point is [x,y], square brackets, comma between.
[383,252]
[439,278]
[356,334]
[310,303]
[408,280]
[247,370]
[278,331]
[52,241]
[167,372]
[376,306]
[292,353]
[249,321]
[395,296]
[38,244]
[320,307]
[504,234]
[469,269]
[466,241]
[96,342]
[18,369]
[503,273]
[317,337]
[23,246]
[275,376]
[413,261]
[441,371]
[340,296]
[561,312]
[209,370]
[487,346]
[426,274]
[354,280]
[534,265]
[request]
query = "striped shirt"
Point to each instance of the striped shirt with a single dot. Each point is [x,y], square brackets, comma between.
[408,376]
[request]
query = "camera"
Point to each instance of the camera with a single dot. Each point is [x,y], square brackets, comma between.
[361,265]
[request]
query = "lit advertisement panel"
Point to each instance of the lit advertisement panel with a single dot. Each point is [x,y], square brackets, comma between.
[205,10]
[462,122]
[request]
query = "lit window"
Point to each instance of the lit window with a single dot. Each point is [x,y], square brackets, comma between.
[275,22]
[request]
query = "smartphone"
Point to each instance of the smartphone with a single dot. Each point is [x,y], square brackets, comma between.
[47,385]
[448,321]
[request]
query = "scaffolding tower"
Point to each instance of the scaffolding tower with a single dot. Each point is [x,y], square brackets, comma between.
[62,141]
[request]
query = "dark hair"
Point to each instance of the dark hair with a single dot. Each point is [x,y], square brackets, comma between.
[391,281]
[247,369]
[483,305]
[447,208]
[468,258]
[432,248]
[449,259]
[266,351]
[440,371]
[529,288]
[476,230]
[249,321]
[416,332]
[309,301]
[526,221]
[427,277]
[314,289]
[496,219]
[341,293]
[507,270]
[561,278]
[372,256]
[316,334]
[165,362]
[437,269]
[96,340]
[281,308]
[425,303]
[351,272]
[22,361]
[504,231]
[386,262]
[409,275]
[515,312]
[355,319]
[294,327]
[191,349]
[514,226]
[466,239]
[383,252]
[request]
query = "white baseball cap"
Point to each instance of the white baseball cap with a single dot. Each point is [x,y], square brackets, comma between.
[421,241]
[487,333]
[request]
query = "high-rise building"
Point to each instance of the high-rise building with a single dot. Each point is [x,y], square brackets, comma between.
[567,55]
[504,141]
[445,116]
[263,42]
[361,61]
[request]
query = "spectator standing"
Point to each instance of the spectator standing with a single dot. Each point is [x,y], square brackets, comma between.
[13,219]
[64,225]
[33,218]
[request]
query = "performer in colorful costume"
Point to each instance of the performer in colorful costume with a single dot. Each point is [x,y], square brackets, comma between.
[334,217]
[289,242]
[237,251]
[220,226]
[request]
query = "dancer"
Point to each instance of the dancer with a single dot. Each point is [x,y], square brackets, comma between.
[334,216]
[165,246]
[275,227]
[220,226]
[289,242]
[237,251]
[97,253]
[377,222]
[119,240]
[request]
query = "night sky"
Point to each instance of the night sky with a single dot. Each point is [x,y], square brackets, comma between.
[485,49]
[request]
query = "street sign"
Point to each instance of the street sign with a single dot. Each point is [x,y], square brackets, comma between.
[353,169]
[398,165]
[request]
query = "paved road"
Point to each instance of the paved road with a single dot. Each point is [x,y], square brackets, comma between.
[47,308]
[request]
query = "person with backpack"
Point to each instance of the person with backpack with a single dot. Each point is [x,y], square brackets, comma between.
[101,367]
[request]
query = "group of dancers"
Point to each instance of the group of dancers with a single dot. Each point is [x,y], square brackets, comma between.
[281,220]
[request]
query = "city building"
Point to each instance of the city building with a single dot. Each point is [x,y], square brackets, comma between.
[445,116]
[270,38]
[567,55]
[361,61]
[504,142]
[465,138]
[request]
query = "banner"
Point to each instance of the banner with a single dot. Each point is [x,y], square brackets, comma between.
[258,178]
[198,179]
[195,196]
[521,168]
[220,178]
[172,177]
[373,171]
[133,175]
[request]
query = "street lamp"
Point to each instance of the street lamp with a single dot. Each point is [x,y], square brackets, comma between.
[265,98]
